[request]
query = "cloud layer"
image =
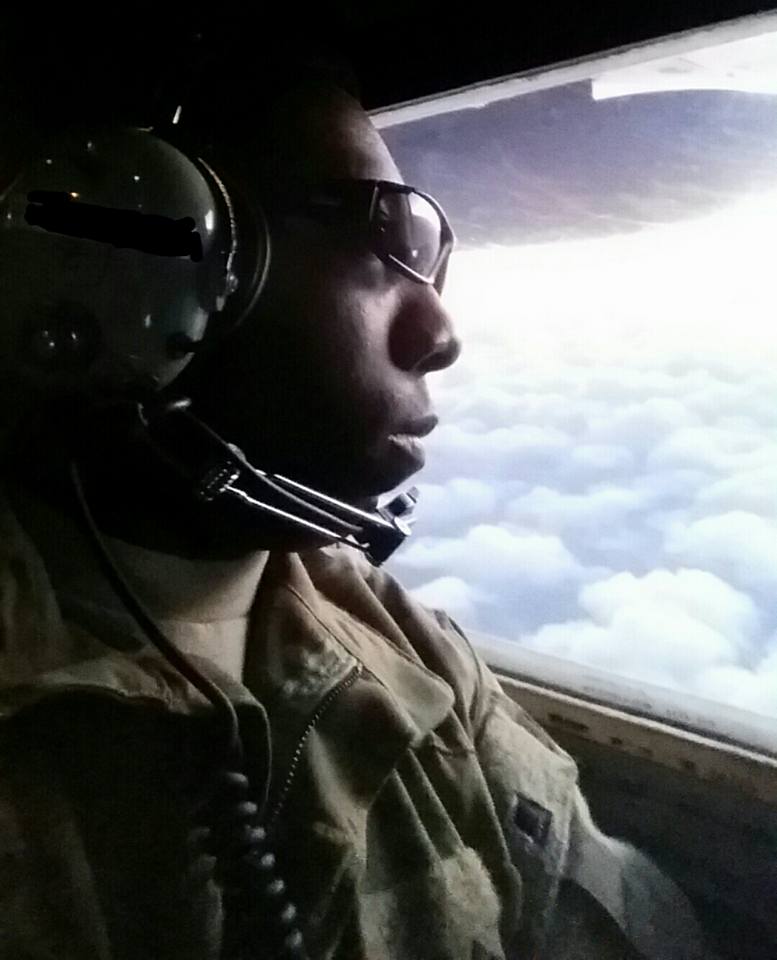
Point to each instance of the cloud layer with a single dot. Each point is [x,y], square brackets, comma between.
[604,484]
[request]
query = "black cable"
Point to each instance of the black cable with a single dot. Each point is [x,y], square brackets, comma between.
[146,622]
[259,920]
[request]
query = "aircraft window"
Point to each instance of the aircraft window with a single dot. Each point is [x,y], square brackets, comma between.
[602,489]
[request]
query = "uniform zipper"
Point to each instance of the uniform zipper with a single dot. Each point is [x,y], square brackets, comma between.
[322,708]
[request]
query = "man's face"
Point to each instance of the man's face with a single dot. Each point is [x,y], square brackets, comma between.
[325,381]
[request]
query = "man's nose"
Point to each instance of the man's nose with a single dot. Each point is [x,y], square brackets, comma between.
[422,338]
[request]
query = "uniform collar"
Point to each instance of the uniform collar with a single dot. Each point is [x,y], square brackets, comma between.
[301,643]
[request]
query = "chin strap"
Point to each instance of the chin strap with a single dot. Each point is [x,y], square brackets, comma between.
[218,471]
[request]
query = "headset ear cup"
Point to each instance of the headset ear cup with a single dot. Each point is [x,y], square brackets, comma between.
[96,299]
[252,262]
[248,263]
[249,266]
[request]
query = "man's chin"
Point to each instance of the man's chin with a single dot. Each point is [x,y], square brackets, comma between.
[366,492]
[358,483]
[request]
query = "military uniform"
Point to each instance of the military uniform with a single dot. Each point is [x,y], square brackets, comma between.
[416,811]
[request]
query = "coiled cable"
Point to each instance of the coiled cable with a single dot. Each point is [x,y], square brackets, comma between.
[260,923]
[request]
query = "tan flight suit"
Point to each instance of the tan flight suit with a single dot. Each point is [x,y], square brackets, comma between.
[423,814]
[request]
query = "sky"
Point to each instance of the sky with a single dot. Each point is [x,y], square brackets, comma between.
[603,485]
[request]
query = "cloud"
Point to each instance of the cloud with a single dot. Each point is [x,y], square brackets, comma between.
[518,578]
[497,454]
[650,645]
[720,449]
[489,554]
[753,491]
[459,501]
[451,594]
[672,487]
[665,628]
[608,384]
[754,690]
[522,439]
[641,426]
[551,510]
[540,404]
[695,593]
[600,458]
[604,485]
[738,545]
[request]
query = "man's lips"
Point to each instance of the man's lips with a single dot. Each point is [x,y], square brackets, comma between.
[407,440]
[420,427]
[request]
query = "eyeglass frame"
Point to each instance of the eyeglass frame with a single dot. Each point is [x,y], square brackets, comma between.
[376,187]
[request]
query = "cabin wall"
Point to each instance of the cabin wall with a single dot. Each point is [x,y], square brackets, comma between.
[705,811]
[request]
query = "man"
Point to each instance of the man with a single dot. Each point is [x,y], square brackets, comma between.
[413,810]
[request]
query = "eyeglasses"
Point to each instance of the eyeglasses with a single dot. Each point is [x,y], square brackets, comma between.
[405,228]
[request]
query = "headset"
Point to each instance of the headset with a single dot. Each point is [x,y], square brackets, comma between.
[124,255]
[121,258]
